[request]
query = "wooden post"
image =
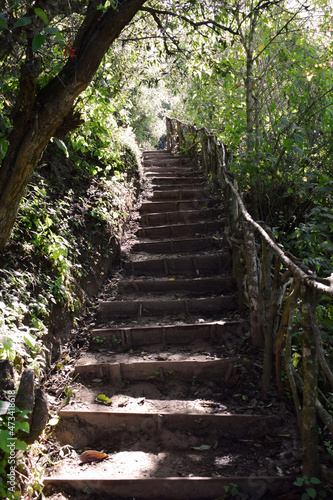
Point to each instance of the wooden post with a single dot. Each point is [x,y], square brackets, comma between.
[252,285]
[263,311]
[310,456]
[169,133]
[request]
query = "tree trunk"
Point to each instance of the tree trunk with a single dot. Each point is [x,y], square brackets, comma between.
[43,113]
[250,110]
[264,312]
[253,286]
[310,456]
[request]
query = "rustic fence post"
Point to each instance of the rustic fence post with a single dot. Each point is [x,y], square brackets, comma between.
[264,313]
[310,456]
[204,150]
[253,285]
[169,133]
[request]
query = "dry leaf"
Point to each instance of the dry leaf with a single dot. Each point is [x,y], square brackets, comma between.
[92,456]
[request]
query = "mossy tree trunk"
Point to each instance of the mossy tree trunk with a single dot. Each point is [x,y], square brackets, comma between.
[43,112]
[310,456]
[253,285]
[265,289]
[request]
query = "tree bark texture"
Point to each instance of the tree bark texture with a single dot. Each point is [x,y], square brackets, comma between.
[285,328]
[323,414]
[43,113]
[290,308]
[253,285]
[265,313]
[320,349]
[310,456]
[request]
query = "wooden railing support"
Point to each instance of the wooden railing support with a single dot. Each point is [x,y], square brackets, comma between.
[268,324]
[253,286]
[310,456]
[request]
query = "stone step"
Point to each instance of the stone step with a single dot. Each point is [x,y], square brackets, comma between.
[185,186]
[176,246]
[133,336]
[165,162]
[191,265]
[193,286]
[176,420]
[167,488]
[157,154]
[179,205]
[185,216]
[180,230]
[170,172]
[182,194]
[115,373]
[112,309]
[82,428]
[167,182]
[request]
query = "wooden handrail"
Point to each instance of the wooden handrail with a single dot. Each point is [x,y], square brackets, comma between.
[271,319]
[324,285]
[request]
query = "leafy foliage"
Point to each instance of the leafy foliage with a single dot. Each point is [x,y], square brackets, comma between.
[73,200]
[257,73]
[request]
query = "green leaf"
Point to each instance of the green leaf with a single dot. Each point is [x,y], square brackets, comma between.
[5,439]
[30,340]
[103,399]
[203,447]
[311,492]
[20,445]
[61,145]
[315,480]
[24,413]
[38,41]
[22,22]
[51,31]
[287,143]
[22,426]
[298,150]
[7,343]
[3,22]
[41,14]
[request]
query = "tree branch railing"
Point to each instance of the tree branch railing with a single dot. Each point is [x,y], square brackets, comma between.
[272,282]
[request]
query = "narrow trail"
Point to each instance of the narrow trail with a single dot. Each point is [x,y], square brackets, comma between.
[167,390]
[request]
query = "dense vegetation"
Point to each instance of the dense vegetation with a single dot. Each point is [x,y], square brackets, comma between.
[257,73]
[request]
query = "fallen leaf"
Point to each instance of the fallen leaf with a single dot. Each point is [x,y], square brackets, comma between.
[121,404]
[101,398]
[53,421]
[92,456]
[203,447]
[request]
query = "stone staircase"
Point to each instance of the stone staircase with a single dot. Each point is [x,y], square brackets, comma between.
[162,390]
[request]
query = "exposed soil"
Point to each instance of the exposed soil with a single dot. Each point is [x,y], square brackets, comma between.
[147,451]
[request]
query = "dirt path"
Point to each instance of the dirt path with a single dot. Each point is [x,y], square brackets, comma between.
[167,391]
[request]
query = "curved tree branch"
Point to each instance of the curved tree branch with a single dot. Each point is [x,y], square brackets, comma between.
[44,112]
[319,346]
[208,22]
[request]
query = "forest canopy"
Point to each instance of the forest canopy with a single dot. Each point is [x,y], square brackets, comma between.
[85,88]
[258,73]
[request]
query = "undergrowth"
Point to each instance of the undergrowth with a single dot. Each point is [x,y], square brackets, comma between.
[67,231]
